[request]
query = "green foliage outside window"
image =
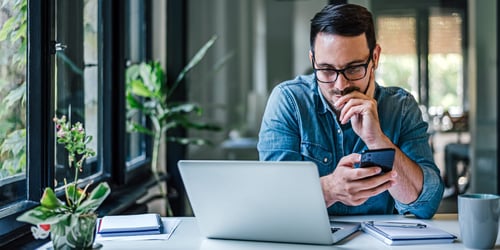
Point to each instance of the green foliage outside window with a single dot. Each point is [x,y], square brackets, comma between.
[445,86]
[13,44]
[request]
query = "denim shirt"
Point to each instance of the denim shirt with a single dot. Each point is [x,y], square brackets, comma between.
[299,125]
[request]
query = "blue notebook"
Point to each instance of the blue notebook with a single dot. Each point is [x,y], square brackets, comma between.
[129,225]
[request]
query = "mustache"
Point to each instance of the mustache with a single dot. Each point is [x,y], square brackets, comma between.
[346,90]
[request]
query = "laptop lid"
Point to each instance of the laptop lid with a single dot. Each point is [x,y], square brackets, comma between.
[260,201]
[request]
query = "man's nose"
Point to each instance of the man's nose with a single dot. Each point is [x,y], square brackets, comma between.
[342,82]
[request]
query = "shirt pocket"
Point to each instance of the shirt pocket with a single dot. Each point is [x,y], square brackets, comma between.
[322,157]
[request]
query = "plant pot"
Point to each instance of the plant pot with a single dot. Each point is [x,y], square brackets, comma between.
[75,232]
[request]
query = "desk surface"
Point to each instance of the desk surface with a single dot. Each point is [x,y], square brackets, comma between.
[187,236]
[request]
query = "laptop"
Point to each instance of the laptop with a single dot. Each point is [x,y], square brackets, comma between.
[261,201]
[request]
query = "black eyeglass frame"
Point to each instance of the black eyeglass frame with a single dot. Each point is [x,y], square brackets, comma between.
[341,71]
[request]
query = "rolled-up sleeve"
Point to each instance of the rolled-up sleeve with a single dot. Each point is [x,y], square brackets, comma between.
[428,202]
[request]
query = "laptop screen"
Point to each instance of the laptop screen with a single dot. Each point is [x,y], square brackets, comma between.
[257,200]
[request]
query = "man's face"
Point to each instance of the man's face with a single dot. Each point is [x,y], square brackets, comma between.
[341,52]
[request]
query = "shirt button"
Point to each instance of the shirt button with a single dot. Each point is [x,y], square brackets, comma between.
[339,131]
[325,160]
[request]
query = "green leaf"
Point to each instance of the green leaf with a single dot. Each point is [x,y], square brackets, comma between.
[175,112]
[133,103]
[7,28]
[157,77]
[136,127]
[160,79]
[49,200]
[193,62]
[131,73]
[139,88]
[15,142]
[96,197]
[41,215]
[100,192]
[18,34]
[74,193]
[185,108]
[151,76]
[15,96]
[13,165]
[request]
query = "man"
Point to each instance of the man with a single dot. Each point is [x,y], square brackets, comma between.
[333,115]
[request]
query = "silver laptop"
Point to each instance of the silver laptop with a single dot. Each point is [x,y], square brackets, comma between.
[261,201]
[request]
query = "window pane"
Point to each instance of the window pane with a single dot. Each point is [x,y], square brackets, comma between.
[398,62]
[90,53]
[445,62]
[13,41]
[136,52]
[77,77]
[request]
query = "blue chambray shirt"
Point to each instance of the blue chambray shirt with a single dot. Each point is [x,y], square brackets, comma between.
[299,125]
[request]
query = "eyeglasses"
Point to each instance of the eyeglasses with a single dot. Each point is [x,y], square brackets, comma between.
[351,73]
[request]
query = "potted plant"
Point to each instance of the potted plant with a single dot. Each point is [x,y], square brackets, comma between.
[148,93]
[72,222]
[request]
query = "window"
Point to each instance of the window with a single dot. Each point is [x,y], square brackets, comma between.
[398,61]
[446,61]
[422,52]
[75,67]
[13,101]
[135,52]
[76,77]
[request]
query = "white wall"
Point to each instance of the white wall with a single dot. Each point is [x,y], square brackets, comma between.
[303,13]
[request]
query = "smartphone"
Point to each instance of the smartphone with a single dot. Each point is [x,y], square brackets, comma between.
[383,158]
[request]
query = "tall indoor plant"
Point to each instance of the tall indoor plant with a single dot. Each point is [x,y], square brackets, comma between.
[71,222]
[148,93]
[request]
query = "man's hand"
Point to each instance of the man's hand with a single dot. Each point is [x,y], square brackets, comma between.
[353,186]
[350,187]
[361,110]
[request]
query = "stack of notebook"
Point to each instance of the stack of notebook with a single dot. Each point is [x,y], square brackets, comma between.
[129,225]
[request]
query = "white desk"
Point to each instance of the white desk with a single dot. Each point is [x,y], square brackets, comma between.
[187,236]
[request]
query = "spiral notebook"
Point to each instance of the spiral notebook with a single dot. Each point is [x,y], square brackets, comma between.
[406,232]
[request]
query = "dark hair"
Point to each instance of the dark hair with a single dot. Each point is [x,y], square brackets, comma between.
[344,20]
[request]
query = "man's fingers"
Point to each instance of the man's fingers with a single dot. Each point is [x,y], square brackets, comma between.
[361,196]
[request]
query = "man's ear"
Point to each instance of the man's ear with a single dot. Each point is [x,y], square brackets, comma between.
[310,57]
[376,55]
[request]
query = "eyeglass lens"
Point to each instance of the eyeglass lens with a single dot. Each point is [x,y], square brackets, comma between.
[350,73]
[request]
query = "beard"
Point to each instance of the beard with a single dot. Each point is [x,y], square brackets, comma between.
[343,92]
[346,90]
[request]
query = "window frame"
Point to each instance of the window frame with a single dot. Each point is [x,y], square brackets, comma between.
[37,143]
[126,187]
